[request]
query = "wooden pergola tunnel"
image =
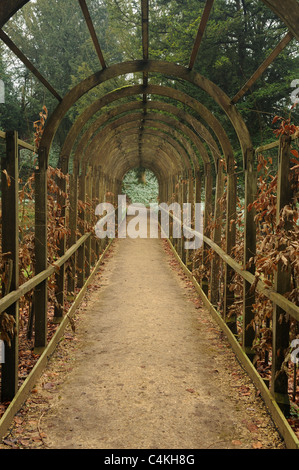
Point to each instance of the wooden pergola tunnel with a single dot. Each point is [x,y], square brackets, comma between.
[187,148]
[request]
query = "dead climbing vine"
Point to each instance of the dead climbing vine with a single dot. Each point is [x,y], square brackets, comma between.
[56,231]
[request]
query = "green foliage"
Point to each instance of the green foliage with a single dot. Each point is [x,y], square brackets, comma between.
[141,185]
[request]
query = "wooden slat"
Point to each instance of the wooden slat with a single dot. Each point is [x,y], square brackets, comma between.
[92,32]
[200,32]
[25,145]
[144,11]
[28,64]
[249,252]
[145,40]
[283,43]
[10,244]
[40,299]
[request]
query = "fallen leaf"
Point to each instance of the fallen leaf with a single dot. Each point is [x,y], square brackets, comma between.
[49,385]
[236,443]
[257,445]
[252,427]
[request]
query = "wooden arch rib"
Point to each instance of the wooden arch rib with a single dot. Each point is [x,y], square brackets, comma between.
[210,120]
[164,161]
[173,156]
[199,129]
[152,67]
[163,164]
[123,167]
[165,123]
[92,131]
[113,129]
[155,119]
[128,139]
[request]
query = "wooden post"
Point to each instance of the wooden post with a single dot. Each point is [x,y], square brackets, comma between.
[189,256]
[196,259]
[216,262]
[94,178]
[41,292]
[10,244]
[185,192]
[73,216]
[180,201]
[282,284]
[88,220]
[82,215]
[208,212]
[97,201]
[249,252]
[101,199]
[60,276]
[231,203]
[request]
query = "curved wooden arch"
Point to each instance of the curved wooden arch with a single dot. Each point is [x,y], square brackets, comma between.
[165,148]
[160,106]
[83,147]
[178,154]
[145,67]
[112,129]
[193,104]
[151,140]
[122,165]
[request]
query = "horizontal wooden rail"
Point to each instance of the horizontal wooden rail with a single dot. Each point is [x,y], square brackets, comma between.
[273,145]
[15,295]
[21,143]
[278,299]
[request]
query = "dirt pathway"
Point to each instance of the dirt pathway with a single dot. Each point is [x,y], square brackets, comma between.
[146,368]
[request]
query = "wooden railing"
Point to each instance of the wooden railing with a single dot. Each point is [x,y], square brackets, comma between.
[14,390]
[276,395]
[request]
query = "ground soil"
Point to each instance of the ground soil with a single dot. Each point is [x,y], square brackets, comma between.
[145,368]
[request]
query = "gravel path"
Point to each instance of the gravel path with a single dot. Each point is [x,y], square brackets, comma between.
[147,368]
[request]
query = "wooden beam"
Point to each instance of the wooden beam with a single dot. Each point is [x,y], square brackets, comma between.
[200,32]
[273,144]
[216,260]
[282,285]
[41,253]
[145,40]
[249,253]
[60,276]
[144,8]
[82,216]
[28,64]
[10,244]
[283,43]
[92,33]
